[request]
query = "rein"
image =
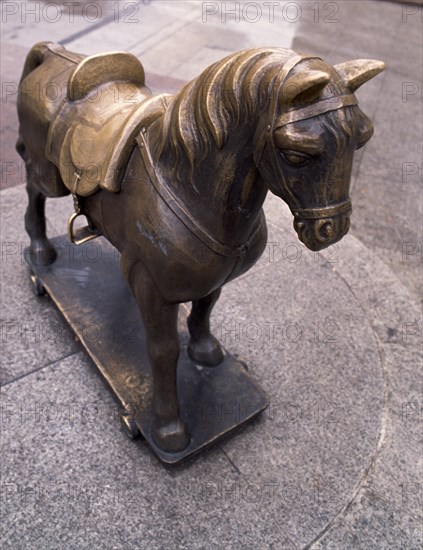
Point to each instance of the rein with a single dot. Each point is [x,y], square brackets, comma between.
[181,213]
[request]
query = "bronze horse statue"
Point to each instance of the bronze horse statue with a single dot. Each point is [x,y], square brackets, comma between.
[177,183]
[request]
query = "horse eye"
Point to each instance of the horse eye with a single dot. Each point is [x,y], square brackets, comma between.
[295,158]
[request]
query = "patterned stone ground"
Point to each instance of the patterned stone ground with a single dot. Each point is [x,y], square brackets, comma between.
[334,338]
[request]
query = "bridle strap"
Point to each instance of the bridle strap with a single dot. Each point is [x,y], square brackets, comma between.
[286,69]
[182,214]
[269,138]
[266,138]
[324,106]
[322,213]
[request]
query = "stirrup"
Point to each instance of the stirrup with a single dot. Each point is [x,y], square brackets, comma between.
[84,234]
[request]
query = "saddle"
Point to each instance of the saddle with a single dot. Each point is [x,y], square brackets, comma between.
[93,133]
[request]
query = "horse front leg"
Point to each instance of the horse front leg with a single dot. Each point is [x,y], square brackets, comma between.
[203,347]
[160,320]
[41,251]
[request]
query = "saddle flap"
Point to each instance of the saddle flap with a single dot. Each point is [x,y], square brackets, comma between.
[94,151]
[98,69]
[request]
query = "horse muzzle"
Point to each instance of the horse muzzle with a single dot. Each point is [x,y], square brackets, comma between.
[318,228]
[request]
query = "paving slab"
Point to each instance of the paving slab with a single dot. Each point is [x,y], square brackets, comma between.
[334,337]
[331,29]
[312,334]
[371,523]
[32,335]
[72,479]
[387,188]
[387,191]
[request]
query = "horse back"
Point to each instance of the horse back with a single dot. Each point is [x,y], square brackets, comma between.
[42,91]
[79,115]
[43,85]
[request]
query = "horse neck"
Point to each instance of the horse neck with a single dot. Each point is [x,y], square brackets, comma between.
[224,192]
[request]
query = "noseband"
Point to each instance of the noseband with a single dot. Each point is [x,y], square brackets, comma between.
[273,123]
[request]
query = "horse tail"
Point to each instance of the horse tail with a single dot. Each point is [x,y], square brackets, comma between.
[31,150]
[34,59]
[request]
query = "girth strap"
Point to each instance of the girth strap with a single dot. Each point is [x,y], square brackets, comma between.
[181,213]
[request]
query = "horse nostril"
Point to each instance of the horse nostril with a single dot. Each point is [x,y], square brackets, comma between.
[326,230]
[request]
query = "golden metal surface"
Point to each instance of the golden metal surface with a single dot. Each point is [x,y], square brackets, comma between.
[188,175]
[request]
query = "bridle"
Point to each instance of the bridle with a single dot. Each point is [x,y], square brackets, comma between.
[266,139]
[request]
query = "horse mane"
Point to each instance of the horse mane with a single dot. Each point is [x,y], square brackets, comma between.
[201,115]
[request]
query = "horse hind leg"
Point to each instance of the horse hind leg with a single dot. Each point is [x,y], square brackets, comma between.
[203,347]
[41,251]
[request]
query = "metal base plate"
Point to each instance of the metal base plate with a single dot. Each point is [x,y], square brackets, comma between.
[86,284]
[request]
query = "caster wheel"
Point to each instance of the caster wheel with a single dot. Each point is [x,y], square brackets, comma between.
[129,426]
[37,285]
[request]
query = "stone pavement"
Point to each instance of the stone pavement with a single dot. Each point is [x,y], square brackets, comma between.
[334,337]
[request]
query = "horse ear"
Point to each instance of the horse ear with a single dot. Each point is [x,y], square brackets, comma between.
[357,72]
[310,82]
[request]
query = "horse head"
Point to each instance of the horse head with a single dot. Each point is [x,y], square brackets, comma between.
[304,145]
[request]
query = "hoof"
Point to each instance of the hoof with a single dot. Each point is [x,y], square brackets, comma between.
[41,255]
[172,437]
[207,352]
